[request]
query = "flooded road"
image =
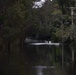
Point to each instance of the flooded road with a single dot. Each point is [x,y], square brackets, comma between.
[44,60]
[37,60]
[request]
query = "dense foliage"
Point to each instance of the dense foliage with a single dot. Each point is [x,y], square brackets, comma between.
[19,20]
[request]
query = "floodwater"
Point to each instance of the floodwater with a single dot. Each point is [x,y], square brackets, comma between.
[46,60]
[39,60]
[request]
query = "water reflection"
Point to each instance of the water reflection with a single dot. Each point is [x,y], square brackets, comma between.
[44,53]
[41,68]
[40,54]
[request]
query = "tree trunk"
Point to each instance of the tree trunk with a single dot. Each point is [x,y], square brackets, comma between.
[21,42]
[9,49]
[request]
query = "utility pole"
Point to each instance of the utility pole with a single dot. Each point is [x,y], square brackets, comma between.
[72,30]
[72,13]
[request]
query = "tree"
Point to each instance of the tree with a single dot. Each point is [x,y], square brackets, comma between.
[64,4]
[43,20]
[13,22]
